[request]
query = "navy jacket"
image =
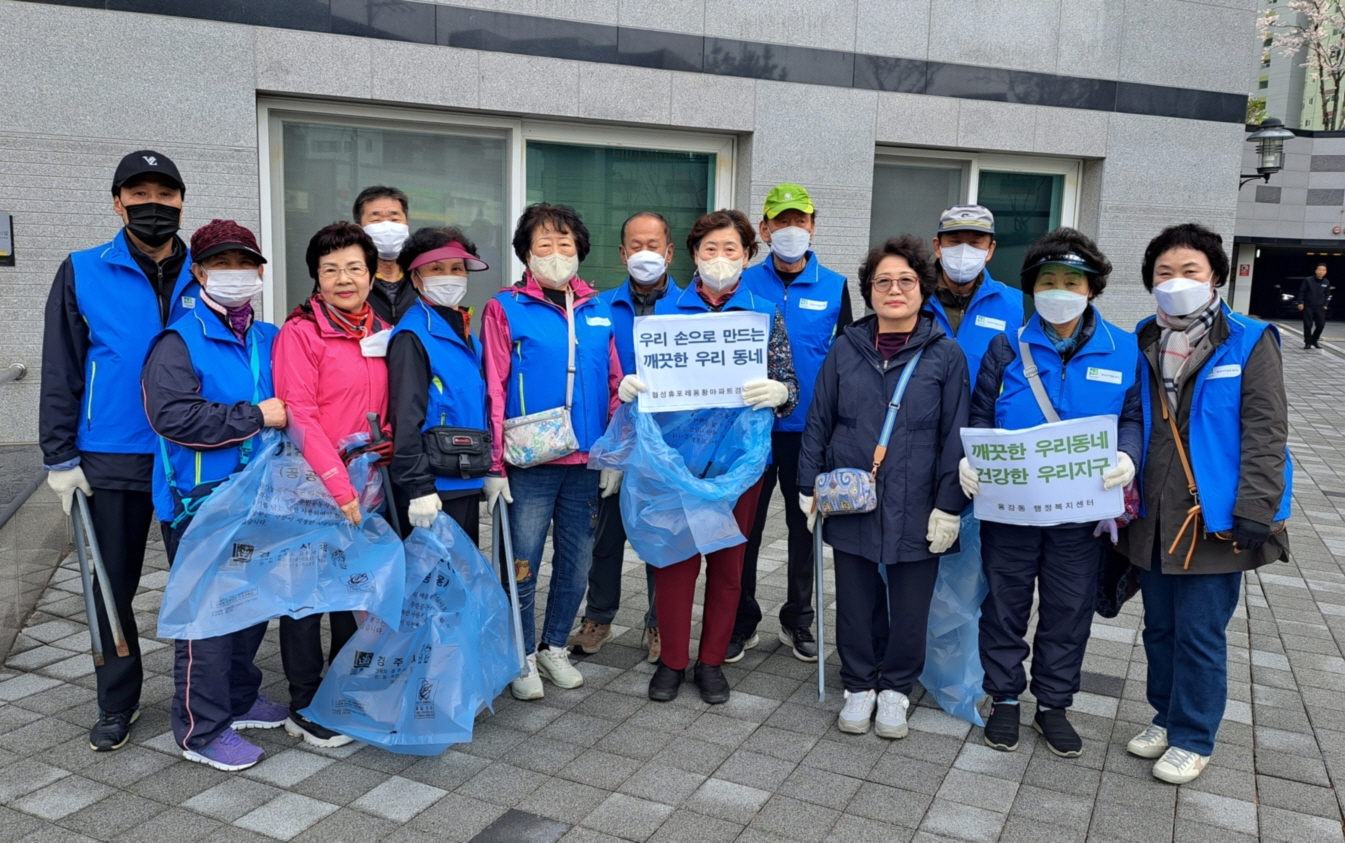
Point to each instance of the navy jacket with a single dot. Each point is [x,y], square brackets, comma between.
[919,474]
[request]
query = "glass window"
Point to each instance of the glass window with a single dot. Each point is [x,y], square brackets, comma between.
[910,195]
[451,179]
[608,184]
[1026,206]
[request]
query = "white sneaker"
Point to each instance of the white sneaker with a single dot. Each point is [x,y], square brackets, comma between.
[1179,766]
[1150,743]
[528,687]
[892,707]
[554,664]
[858,711]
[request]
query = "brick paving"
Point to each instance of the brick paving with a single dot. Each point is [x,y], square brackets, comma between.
[602,763]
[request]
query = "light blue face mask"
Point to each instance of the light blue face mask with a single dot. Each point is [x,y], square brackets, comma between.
[790,244]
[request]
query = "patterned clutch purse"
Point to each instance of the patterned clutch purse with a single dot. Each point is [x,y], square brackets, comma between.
[845,491]
[539,438]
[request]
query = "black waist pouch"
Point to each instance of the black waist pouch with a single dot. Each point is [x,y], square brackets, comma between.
[460,452]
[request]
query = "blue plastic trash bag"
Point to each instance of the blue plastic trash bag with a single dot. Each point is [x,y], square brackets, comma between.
[417,691]
[684,473]
[953,673]
[271,541]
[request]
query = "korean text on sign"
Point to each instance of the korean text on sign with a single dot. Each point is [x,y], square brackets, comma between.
[696,361]
[1050,474]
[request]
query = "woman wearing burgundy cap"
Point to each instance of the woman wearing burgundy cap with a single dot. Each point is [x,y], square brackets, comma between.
[441,450]
[207,392]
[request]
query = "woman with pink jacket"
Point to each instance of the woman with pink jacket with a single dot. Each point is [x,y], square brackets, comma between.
[329,369]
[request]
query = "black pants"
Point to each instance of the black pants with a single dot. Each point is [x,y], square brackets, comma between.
[798,608]
[464,509]
[1061,564]
[1314,322]
[121,521]
[869,612]
[604,575]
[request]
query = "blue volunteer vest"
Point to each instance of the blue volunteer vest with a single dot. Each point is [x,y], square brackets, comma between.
[1215,430]
[811,306]
[121,309]
[457,388]
[1093,383]
[229,371]
[995,309]
[537,361]
[623,320]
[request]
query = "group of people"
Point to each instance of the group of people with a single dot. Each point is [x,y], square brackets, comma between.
[158,378]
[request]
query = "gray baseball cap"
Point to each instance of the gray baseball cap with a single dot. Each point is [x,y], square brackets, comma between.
[967,218]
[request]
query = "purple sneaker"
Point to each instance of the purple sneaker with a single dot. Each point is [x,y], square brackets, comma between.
[264,714]
[226,752]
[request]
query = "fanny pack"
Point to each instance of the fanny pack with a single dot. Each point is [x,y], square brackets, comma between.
[847,491]
[460,452]
[539,438]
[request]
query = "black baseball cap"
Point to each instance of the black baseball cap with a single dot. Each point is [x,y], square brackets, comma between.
[146,161]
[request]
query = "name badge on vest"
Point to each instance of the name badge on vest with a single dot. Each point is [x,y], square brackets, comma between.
[188,302]
[810,304]
[1232,370]
[598,320]
[1103,375]
[992,324]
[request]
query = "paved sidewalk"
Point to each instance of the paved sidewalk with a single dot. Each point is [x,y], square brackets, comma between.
[602,763]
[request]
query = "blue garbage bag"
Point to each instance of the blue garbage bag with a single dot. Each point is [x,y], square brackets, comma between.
[271,541]
[953,673]
[684,473]
[417,690]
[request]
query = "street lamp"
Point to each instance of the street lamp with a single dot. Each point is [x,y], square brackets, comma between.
[1269,140]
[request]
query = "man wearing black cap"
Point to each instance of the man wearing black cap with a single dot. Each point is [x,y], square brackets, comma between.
[106,305]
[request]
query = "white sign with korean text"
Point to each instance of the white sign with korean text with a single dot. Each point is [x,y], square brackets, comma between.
[1045,475]
[691,362]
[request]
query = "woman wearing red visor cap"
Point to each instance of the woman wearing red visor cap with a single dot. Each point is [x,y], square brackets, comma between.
[441,451]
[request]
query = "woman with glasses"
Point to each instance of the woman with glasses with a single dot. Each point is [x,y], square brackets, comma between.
[887,560]
[329,369]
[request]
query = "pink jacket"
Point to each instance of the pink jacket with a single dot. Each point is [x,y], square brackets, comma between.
[497,344]
[328,386]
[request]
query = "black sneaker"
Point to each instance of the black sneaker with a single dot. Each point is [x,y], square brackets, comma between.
[739,645]
[314,734]
[1001,728]
[714,687]
[665,683]
[802,642]
[1060,735]
[112,730]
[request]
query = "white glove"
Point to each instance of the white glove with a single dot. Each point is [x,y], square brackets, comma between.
[1122,474]
[943,530]
[968,478]
[806,504]
[765,394]
[422,510]
[609,481]
[64,483]
[495,487]
[630,387]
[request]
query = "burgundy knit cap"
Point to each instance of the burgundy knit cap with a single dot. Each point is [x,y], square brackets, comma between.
[220,236]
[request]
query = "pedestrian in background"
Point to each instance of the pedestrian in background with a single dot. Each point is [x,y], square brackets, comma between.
[1314,296]
[887,560]
[1216,481]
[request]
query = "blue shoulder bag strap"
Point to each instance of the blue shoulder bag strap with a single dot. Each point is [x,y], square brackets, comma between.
[892,407]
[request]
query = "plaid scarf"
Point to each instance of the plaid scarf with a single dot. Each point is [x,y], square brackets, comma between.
[1180,336]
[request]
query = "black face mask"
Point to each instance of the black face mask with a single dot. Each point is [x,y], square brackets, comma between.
[152,223]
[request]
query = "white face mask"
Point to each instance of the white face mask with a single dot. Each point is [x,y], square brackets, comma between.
[1182,296]
[388,237]
[790,244]
[1059,307]
[376,345]
[720,273]
[554,270]
[646,267]
[232,287]
[963,262]
[443,290]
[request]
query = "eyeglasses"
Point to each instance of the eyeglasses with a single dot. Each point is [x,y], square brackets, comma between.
[354,272]
[882,285]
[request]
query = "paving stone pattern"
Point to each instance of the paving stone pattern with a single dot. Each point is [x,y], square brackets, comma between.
[601,763]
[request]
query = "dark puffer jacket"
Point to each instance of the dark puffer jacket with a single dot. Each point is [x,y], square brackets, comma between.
[919,473]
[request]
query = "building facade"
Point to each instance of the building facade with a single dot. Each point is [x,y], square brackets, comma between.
[1116,116]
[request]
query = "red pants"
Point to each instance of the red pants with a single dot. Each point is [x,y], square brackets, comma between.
[675,593]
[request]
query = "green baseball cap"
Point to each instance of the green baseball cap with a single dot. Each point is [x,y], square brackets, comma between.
[787,197]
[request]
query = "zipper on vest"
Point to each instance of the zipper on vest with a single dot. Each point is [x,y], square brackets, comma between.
[522,403]
[93,375]
[198,469]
